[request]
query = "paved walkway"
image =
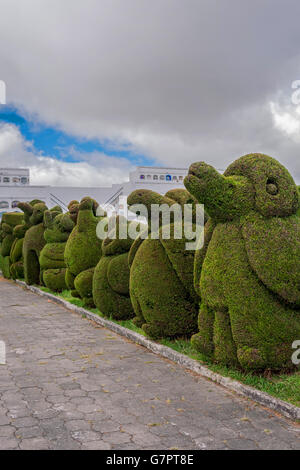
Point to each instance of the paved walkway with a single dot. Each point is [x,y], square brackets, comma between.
[70,384]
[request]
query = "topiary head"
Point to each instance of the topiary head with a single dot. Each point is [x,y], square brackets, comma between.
[87,203]
[38,213]
[148,198]
[73,210]
[253,182]
[58,227]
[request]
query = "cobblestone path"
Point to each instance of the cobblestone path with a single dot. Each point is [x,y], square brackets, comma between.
[70,384]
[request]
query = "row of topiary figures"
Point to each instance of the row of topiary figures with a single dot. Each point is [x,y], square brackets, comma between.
[246,277]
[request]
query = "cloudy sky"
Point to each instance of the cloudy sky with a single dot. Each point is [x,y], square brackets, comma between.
[96,87]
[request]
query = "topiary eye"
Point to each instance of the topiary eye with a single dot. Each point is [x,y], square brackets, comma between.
[272,187]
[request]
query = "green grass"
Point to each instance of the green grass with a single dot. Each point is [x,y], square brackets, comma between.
[283,386]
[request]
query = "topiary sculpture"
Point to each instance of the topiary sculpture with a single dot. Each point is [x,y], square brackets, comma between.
[8,222]
[16,253]
[111,276]
[34,242]
[83,251]
[249,267]
[161,275]
[52,263]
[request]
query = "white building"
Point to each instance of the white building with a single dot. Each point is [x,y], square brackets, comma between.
[15,187]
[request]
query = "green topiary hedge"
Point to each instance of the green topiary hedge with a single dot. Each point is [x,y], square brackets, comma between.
[9,221]
[248,269]
[16,253]
[246,277]
[34,242]
[52,263]
[111,277]
[83,251]
[161,276]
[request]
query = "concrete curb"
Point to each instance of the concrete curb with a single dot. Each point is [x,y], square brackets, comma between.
[286,409]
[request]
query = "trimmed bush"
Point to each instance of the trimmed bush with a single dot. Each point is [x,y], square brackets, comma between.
[52,263]
[83,251]
[34,242]
[249,267]
[161,276]
[16,254]
[111,277]
[8,222]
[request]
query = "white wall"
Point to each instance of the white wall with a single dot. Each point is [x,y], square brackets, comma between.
[58,195]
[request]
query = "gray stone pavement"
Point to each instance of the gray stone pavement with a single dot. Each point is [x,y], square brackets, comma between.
[70,384]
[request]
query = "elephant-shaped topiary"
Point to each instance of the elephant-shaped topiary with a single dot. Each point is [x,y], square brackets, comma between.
[111,276]
[249,267]
[34,241]
[161,275]
[9,221]
[52,263]
[83,251]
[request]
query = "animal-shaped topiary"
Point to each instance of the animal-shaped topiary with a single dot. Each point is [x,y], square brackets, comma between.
[111,276]
[8,222]
[16,253]
[161,275]
[34,242]
[249,267]
[83,251]
[52,263]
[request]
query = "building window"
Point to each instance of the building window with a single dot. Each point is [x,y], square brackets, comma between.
[14,204]
[149,177]
[4,205]
[155,177]
[162,178]
[168,178]
[142,177]
[175,178]
[180,178]
[16,179]
[24,180]
[6,179]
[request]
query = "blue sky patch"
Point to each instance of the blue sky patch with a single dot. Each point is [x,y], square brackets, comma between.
[55,143]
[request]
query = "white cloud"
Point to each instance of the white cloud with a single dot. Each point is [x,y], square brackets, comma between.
[95,169]
[287,119]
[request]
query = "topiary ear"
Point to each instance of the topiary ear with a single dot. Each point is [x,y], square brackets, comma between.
[26,208]
[273,250]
